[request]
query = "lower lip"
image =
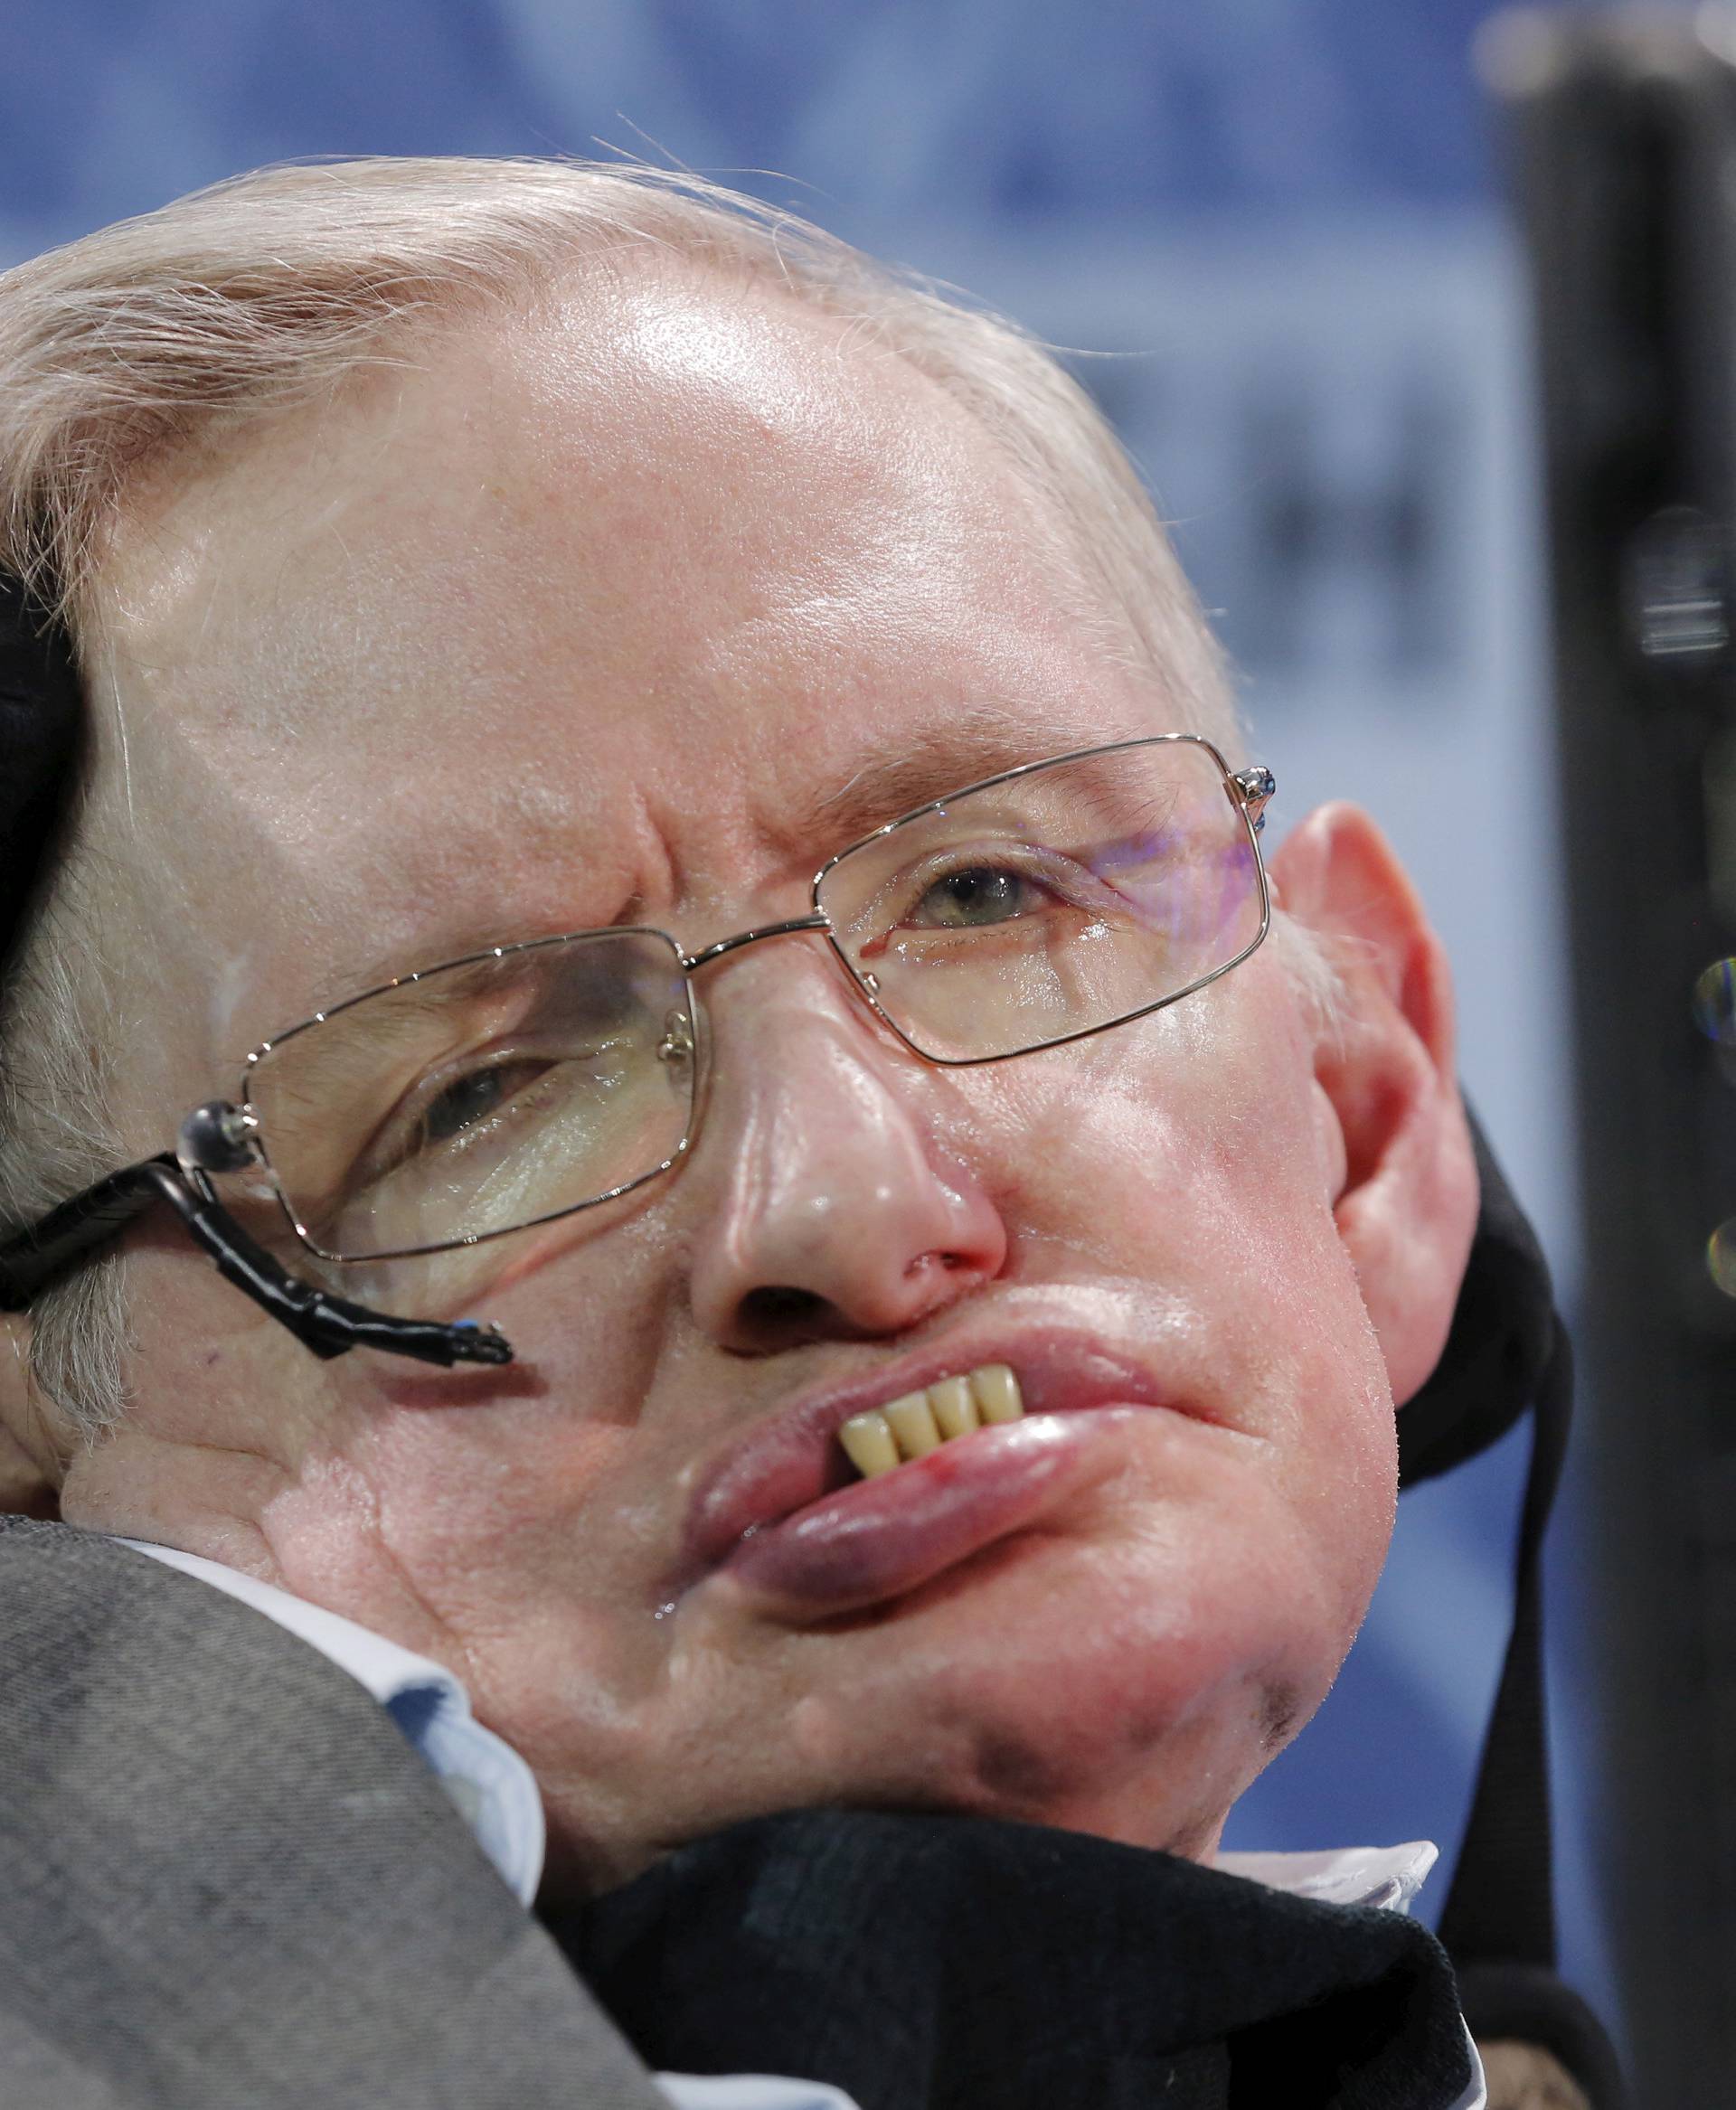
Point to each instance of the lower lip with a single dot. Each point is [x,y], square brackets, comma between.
[878,1538]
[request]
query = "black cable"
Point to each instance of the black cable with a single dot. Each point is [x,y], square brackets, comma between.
[329,1325]
[1501,1900]
[1498,1924]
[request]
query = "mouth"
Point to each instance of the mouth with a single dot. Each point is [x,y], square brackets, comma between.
[855,1497]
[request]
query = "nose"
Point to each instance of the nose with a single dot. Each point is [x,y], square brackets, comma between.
[829,1210]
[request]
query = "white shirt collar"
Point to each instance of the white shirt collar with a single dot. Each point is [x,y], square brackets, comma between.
[1388,1877]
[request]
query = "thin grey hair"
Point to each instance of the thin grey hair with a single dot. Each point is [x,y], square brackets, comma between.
[269,292]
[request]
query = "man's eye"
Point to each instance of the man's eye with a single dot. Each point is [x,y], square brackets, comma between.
[974,897]
[472,1097]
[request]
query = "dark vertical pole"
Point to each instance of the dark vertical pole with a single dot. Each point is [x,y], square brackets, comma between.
[1623,134]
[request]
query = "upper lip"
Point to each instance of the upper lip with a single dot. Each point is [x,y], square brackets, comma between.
[791,1458]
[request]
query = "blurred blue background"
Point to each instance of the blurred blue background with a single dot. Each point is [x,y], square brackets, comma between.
[1272,228]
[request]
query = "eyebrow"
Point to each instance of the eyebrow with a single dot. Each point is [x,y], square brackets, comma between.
[471,940]
[981,740]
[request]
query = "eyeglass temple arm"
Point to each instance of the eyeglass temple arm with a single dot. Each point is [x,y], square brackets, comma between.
[329,1325]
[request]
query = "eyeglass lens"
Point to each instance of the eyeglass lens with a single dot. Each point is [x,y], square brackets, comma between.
[498,1092]
[1053,903]
[482,1097]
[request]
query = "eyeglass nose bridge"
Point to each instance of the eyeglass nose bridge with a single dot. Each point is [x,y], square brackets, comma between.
[815,923]
[817,920]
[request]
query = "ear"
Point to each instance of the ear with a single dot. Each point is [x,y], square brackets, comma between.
[30,1468]
[1407,1210]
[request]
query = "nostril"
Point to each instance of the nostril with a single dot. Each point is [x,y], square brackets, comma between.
[777,1309]
[928,1264]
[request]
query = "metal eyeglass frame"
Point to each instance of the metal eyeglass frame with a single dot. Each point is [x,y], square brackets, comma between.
[225,1136]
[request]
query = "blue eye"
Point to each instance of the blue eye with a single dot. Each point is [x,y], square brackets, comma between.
[973,897]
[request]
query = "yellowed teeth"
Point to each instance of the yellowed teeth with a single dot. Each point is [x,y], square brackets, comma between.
[920,1422]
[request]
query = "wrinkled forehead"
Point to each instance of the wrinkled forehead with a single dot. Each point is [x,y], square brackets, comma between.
[623,598]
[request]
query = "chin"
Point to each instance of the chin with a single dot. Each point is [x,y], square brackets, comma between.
[1126,1671]
[1048,1683]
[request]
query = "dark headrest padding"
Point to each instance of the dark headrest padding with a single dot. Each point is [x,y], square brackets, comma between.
[1495,1354]
[39,738]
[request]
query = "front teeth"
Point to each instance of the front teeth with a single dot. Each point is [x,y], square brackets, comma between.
[920,1422]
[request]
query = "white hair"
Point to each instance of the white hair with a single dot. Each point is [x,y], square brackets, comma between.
[270,291]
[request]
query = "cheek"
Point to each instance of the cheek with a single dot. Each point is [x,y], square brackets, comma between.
[515,1542]
[520,1469]
[1187,1156]
[491,1509]
[512,1518]
[1185,1149]
[212,1376]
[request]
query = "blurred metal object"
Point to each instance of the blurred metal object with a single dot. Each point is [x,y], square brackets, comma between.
[1623,135]
[1678,586]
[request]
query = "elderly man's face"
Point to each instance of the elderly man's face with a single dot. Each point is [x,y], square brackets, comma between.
[638,611]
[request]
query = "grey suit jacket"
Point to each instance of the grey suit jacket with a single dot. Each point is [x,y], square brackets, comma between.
[226,1880]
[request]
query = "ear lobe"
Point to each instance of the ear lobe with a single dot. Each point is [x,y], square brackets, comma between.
[29,1470]
[1407,1209]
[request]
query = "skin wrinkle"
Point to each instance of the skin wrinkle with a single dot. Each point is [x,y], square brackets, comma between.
[213,1528]
[648,662]
[455,1646]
